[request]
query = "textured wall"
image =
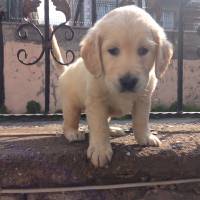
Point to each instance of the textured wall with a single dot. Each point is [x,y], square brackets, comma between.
[25,83]
[166,90]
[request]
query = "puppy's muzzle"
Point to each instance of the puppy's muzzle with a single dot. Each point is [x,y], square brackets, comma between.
[128,83]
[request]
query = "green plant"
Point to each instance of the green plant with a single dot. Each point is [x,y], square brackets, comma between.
[191,108]
[173,107]
[3,109]
[159,108]
[58,111]
[33,107]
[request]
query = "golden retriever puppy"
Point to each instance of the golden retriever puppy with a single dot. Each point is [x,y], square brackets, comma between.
[122,57]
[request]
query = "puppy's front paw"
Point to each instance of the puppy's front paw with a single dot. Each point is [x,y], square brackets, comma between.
[74,135]
[99,155]
[151,140]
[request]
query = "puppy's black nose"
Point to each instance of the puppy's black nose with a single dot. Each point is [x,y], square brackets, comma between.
[128,82]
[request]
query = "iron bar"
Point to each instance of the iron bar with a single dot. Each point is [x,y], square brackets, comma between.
[47,56]
[180,60]
[94,12]
[78,11]
[117,3]
[2,89]
[139,3]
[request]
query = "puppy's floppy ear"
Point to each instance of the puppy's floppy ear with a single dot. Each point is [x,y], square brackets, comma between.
[91,53]
[163,56]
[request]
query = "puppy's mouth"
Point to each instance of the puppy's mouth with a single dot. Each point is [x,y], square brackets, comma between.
[123,90]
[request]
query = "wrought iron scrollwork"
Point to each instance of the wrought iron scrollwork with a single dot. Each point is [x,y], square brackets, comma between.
[22,32]
[23,35]
[69,35]
[46,39]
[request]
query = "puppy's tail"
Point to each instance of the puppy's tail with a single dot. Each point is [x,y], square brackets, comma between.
[56,52]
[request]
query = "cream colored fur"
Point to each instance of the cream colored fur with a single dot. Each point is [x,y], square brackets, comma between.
[91,84]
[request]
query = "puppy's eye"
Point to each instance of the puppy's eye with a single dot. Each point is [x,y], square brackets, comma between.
[114,51]
[142,51]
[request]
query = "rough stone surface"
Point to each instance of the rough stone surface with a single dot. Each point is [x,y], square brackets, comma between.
[44,158]
[11,197]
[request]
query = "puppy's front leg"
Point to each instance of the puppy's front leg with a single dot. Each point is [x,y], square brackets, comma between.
[141,123]
[99,150]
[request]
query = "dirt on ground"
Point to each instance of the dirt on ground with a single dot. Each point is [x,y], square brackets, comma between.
[36,154]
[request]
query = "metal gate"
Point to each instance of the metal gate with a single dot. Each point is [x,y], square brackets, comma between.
[46,43]
[46,39]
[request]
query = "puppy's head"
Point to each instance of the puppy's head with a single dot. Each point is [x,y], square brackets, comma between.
[124,47]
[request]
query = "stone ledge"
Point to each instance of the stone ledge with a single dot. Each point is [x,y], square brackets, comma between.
[50,161]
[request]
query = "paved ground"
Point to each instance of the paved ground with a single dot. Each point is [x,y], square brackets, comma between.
[55,127]
[36,154]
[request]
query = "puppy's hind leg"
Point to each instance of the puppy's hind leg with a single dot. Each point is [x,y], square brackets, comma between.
[71,115]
